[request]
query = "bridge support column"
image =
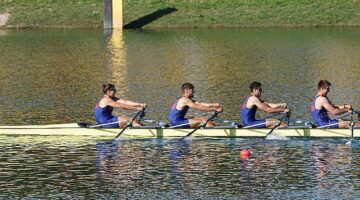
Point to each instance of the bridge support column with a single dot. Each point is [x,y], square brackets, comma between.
[113,14]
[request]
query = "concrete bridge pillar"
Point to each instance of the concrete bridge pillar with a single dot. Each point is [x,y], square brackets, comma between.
[113,14]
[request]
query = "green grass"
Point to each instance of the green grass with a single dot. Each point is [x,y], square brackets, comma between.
[190,13]
[53,13]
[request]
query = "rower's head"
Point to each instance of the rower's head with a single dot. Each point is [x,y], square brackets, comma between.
[188,90]
[255,89]
[324,87]
[109,89]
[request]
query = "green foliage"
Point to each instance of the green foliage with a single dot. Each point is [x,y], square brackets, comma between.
[248,13]
[54,13]
[190,13]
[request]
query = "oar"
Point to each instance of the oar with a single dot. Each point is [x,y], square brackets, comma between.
[130,123]
[352,125]
[278,124]
[201,126]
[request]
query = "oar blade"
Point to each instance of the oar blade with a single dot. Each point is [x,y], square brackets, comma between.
[348,142]
[352,126]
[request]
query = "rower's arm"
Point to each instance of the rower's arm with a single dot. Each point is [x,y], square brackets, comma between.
[335,110]
[123,105]
[131,103]
[209,104]
[215,106]
[344,106]
[266,107]
[199,106]
[276,105]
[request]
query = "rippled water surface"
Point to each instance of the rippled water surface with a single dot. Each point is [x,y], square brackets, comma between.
[51,167]
[53,76]
[56,76]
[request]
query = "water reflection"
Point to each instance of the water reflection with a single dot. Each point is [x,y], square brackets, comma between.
[194,169]
[117,56]
[327,163]
[57,75]
[191,169]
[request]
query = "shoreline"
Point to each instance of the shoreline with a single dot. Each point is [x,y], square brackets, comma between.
[174,27]
[187,14]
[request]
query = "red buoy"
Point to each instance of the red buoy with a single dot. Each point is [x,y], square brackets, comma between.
[245,154]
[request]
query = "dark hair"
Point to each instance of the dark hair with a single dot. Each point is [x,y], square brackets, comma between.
[187,86]
[323,84]
[255,85]
[107,87]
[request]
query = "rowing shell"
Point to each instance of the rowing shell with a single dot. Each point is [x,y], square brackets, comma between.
[158,132]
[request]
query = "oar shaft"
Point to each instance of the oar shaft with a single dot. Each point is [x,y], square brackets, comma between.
[278,123]
[202,125]
[130,123]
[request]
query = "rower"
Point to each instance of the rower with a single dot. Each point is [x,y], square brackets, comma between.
[182,104]
[104,108]
[253,102]
[321,105]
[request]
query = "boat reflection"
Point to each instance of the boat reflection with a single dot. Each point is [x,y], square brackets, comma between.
[181,168]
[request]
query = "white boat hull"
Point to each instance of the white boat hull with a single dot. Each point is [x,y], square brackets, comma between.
[76,130]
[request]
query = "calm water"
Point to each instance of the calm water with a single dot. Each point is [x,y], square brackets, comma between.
[167,169]
[55,77]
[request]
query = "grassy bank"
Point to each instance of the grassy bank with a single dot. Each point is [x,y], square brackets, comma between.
[189,13]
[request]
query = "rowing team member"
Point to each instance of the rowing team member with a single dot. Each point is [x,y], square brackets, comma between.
[104,108]
[253,102]
[181,106]
[321,105]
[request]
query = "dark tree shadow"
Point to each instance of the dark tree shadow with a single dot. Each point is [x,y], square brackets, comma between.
[147,19]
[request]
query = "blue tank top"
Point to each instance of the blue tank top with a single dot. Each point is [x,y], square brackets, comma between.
[103,114]
[248,114]
[320,116]
[177,115]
